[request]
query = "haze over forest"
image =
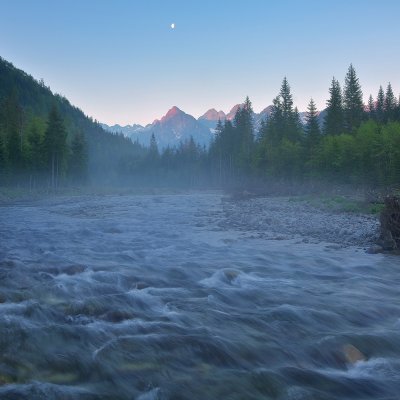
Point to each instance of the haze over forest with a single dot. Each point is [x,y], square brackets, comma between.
[47,142]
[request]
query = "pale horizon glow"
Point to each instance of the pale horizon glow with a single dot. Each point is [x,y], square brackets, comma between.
[119,64]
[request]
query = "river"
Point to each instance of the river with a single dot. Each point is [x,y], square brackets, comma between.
[159,297]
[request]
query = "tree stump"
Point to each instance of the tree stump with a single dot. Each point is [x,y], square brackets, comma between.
[390,223]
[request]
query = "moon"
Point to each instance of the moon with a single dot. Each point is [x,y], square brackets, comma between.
[172,26]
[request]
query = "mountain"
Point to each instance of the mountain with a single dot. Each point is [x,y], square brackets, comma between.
[231,114]
[127,130]
[211,117]
[178,126]
[263,115]
[174,127]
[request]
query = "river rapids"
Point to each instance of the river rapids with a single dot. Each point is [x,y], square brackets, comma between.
[178,297]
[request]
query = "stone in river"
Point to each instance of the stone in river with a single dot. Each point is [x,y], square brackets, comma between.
[352,354]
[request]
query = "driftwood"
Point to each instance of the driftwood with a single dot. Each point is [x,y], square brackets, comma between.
[390,224]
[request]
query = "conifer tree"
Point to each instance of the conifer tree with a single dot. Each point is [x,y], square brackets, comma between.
[78,161]
[312,128]
[54,144]
[218,128]
[284,121]
[352,101]
[291,124]
[334,118]
[12,122]
[371,107]
[35,157]
[380,105]
[390,103]
[275,123]
[286,99]
[217,147]
[298,125]
[244,127]
[153,149]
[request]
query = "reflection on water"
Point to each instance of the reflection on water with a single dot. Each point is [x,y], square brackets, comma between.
[145,297]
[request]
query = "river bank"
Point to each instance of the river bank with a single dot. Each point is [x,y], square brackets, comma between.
[341,220]
[310,219]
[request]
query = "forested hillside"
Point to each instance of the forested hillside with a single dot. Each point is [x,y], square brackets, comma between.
[357,144]
[46,140]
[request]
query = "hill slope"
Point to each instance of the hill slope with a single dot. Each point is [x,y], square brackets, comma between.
[106,150]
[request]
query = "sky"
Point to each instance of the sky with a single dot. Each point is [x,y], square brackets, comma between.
[121,62]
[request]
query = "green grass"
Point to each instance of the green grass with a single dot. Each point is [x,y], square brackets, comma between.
[338,203]
[376,208]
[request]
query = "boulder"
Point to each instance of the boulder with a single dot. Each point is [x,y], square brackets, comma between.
[376,249]
[231,274]
[352,354]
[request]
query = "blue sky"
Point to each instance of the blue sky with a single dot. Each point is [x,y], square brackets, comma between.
[121,62]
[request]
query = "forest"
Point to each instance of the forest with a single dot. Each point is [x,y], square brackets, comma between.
[355,143]
[46,142]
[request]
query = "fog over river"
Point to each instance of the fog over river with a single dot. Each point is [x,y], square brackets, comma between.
[193,296]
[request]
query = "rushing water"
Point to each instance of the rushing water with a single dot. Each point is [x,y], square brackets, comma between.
[145,297]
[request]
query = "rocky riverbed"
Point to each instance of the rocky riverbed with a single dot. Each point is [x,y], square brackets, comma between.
[292,217]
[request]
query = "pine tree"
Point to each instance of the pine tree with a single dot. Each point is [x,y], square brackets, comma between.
[380,105]
[286,99]
[153,157]
[275,124]
[312,128]
[371,107]
[78,160]
[219,128]
[217,147]
[297,124]
[352,101]
[334,118]
[35,157]
[390,103]
[244,127]
[12,122]
[54,144]
[153,149]
[284,121]
[291,124]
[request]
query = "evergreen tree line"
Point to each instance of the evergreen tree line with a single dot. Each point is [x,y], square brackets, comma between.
[25,109]
[347,142]
[45,140]
[182,166]
[36,151]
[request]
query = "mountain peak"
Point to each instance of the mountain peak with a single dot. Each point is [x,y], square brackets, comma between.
[173,111]
[231,115]
[213,115]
